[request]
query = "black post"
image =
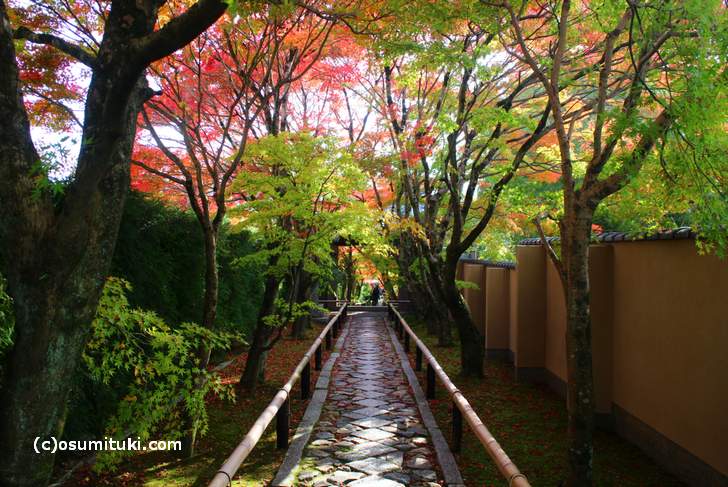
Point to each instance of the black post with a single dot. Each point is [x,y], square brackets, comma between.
[317,358]
[306,381]
[457,429]
[283,418]
[406,342]
[418,360]
[328,339]
[430,381]
[335,328]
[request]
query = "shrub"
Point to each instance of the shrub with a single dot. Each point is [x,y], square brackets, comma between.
[162,382]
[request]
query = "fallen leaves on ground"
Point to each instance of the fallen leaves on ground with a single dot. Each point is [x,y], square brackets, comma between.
[529,421]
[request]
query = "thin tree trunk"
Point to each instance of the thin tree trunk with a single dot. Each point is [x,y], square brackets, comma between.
[254,363]
[349,271]
[440,315]
[472,347]
[302,295]
[212,289]
[575,256]
[209,315]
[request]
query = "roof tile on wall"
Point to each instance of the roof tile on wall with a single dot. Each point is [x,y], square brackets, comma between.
[680,233]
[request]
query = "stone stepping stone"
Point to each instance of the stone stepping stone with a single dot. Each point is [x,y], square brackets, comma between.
[398,477]
[373,403]
[418,463]
[373,434]
[308,475]
[364,450]
[369,412]
[378,465]
[344,476]
[428,475]
[375,481]
[372,422]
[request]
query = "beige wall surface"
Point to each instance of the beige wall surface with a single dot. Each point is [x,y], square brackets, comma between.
[513,312]
[475,298]
[555,354]
[601,288]
[670,343]
[497,308]
[531,306]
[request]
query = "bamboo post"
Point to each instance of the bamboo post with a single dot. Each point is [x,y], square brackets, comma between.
[306,382]
[283,424]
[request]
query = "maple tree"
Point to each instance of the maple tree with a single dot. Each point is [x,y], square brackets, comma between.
[458,137]
[301,198]
[232,85]
[645,75]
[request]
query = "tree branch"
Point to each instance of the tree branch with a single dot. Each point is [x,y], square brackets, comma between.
[179,31]
[550,251]
[62,45]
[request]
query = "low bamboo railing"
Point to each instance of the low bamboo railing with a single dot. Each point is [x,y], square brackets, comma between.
[280,405]
[461,407]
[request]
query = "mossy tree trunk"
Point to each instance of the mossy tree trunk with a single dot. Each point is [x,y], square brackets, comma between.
[56,251]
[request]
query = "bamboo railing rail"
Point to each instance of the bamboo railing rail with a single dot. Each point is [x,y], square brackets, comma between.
[280,405]
[461,407]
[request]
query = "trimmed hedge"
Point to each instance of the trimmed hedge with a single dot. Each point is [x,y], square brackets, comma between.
[160,252]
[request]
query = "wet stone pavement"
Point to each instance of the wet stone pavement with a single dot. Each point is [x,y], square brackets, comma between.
[370,432]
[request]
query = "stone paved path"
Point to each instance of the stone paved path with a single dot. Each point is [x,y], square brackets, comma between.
[370,432]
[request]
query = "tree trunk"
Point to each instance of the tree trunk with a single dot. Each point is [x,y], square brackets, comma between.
[429,306]
[349,272]
[302,295]
[472,346]
[439,315]
[54,309]
[580,398]
[212,287]
[255,361]
[472,343]
[209,314]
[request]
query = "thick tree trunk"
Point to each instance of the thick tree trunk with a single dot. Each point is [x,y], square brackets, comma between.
[575,257]
[56,251]
[53,311]
[472,343]
[254,364]
[472,346]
